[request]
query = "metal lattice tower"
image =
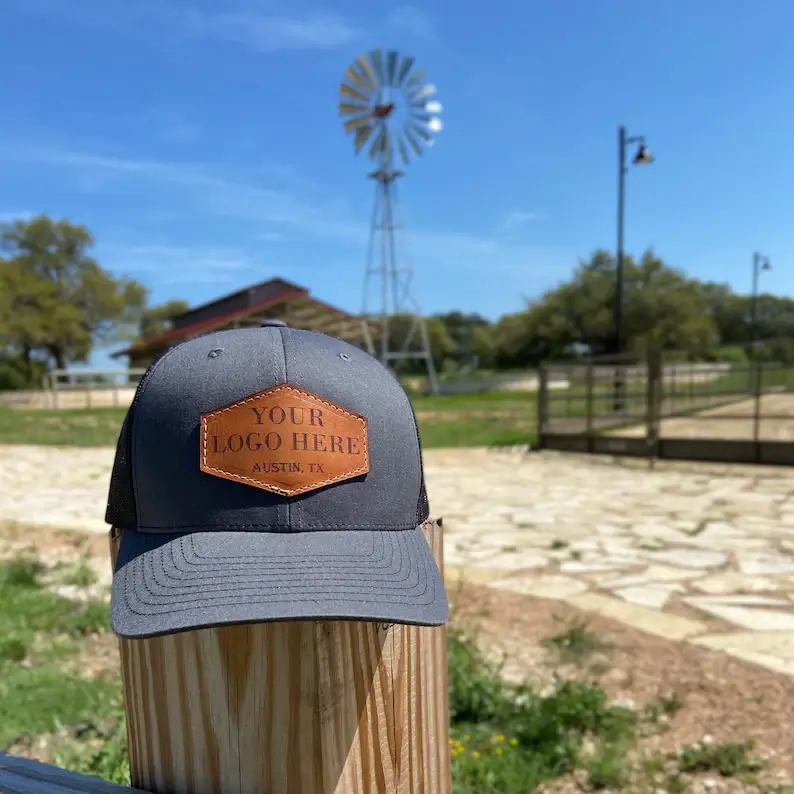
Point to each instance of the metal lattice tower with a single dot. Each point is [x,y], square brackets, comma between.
[388,105]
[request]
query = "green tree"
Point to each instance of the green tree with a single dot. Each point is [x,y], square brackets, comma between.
[465,332]
[157,320]
[665,309]
[58,302]
[662,308]
[404,335]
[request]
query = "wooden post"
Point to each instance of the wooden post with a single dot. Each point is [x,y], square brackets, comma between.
[54,381]
[543,404]
[653,403]
[305,707]
[589,395]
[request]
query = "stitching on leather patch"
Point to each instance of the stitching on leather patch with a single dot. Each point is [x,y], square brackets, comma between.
[286,440]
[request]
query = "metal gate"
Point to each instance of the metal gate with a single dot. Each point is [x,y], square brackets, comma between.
[651,408]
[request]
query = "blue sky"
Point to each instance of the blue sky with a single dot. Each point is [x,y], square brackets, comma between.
[199,139]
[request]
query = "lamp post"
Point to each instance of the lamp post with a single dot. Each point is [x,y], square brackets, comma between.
[760,263]
[642,157]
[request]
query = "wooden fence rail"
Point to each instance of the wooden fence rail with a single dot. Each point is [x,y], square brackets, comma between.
[305,707]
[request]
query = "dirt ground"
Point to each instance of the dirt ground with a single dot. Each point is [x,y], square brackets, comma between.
[721,699]
[731,422]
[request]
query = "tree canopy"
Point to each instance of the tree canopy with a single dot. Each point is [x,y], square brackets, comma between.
[57,302]
[156,320]
[662,307]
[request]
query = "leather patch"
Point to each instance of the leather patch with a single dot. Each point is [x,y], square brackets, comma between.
[285,440]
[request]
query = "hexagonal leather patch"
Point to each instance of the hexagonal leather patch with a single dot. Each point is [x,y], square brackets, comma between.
[285,440]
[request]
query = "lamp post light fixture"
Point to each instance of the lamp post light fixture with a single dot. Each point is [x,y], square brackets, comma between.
[642,157]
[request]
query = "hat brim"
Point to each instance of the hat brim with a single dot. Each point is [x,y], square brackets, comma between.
[167,583]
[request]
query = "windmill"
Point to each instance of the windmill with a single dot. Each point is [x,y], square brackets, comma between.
[391,111]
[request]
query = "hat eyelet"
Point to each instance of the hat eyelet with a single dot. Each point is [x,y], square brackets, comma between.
[215,352]
[345,357]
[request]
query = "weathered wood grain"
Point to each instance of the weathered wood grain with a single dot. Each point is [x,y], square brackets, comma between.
[332,707]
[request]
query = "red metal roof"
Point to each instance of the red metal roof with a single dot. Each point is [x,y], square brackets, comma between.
[210,323]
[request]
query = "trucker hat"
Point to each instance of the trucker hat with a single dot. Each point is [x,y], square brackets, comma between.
[268,474]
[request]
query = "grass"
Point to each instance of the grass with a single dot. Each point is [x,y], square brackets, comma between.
[505,738]
[459,420]
[498,419]
[90,427]
[575,643]
[41,633]
[510,739]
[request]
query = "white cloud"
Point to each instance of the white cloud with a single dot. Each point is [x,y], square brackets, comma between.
[515,220]
[290,213]
[177,264]
[274,33]
[409,19]
[169,21]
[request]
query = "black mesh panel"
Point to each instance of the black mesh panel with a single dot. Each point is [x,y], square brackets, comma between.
[423,506]
[122,511]
[121,499]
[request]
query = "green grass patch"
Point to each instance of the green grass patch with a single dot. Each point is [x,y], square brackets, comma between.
[89,427]
[509,738]
[504,401]
[483,432]
[468,420]
[729,759]
[575,643]
[39,632]
[505,738]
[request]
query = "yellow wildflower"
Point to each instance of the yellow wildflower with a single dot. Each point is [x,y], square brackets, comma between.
[514,742]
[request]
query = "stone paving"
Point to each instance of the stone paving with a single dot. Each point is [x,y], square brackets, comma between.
[688,553]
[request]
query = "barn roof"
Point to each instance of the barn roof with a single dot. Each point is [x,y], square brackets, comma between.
[273,299]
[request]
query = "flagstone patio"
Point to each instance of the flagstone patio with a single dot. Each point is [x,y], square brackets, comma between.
[702,554]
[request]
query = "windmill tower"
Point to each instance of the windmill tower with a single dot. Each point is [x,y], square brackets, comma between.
[388,107]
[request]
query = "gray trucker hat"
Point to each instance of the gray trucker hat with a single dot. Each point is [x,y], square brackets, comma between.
[269,474]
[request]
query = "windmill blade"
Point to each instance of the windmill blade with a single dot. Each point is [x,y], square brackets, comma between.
[405,67]
[423,112]
[357,124]
[433,106]
[421,118]
[423,106]
[366,88]
[353,93]
[403,149]
[421,132]
[411,138]
[415,78]
[349,109]
[392,56]
[363,134]
[364,65]
[425,92]
[379,144]
[352,75]
[376,56]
